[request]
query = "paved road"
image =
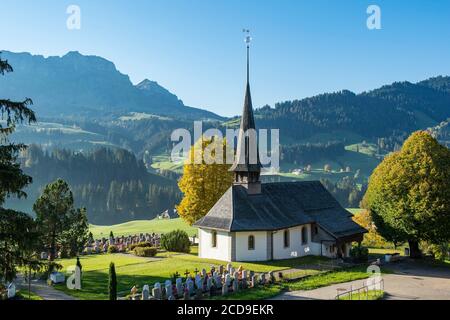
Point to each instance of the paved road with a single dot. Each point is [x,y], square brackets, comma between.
[41,288]
[410,281]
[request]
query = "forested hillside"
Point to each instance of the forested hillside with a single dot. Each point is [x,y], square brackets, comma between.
[399,107]
[112,184]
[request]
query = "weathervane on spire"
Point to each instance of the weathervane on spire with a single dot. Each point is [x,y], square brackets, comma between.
[247,41]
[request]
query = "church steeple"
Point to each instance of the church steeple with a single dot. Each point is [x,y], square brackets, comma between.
[247,167]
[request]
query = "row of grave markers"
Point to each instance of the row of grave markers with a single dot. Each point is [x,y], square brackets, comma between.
[217,282]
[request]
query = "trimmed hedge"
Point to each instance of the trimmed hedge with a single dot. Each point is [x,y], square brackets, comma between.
[359,254]
[112,249]
[131,247]
[145,251]
[177,241]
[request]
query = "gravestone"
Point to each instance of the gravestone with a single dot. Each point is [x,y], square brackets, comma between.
[212,290]
[244,279]
[157,285]
[224,290]
[221,269]
[198,294]
[190,286]
[145,292]
[186,295]
[271,277]
[168,288]
[229,266]
[179,285]
[262,278]
[208,283]
[204,273]
[156,293]
[235,285]
[217,280]
[198,281]
[254,281]
[11,290]
[227,280]
[44,256]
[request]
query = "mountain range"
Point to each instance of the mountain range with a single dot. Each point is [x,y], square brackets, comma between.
[79,85]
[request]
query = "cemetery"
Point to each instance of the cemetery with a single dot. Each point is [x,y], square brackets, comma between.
[171,275]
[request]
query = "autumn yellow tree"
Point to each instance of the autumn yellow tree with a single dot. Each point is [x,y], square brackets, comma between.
[372,238]
[204,179]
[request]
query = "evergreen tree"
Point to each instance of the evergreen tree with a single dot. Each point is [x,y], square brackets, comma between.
[18,236]
[53,213]
[112,287]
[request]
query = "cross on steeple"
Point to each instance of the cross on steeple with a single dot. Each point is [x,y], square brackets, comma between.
[247,167]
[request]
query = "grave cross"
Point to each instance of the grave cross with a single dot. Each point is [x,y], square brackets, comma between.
[187,273]
[196,271]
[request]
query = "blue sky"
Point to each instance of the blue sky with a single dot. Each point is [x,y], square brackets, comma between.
[195,48]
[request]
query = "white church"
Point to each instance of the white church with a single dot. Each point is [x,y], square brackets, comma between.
[256,221]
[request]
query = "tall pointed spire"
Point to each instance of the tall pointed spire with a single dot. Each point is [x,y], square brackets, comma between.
[247,167]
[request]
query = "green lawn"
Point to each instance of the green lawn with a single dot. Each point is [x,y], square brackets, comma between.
[23,295]
[329,278]
[142,226]
[370,295]
[258,293]
[133,270]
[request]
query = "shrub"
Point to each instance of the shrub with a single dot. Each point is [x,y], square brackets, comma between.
[177,241]
[145,251]
[359,254]
[131,247]
[112,249]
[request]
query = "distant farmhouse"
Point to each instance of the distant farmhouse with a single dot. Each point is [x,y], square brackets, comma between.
[259,222]
[168,214]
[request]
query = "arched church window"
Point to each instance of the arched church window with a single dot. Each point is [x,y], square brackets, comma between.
[214,239]
[251,242]
[304,235]
[286,238]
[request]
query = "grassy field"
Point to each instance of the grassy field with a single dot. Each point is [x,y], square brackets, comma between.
[163,162]
[329,278]
[133,270]
[142,226]
[370,295]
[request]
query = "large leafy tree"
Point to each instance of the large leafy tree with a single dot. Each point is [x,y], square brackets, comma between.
[54,210]
[18,237]
[76,236]
[203,182]
[409,193]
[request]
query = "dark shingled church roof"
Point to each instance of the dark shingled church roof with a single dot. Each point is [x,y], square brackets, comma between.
[280,205]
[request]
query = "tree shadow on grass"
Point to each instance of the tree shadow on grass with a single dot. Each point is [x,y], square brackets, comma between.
[95,284]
